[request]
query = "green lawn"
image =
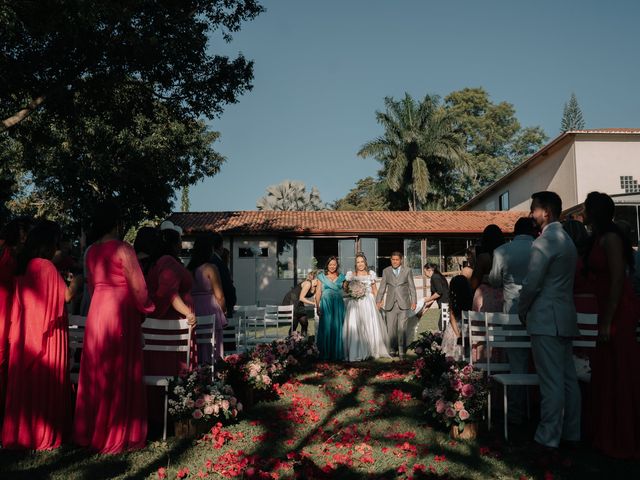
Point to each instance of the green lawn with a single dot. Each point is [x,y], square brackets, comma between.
[339,421]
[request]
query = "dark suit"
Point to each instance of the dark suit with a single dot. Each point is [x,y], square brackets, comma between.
[228,289]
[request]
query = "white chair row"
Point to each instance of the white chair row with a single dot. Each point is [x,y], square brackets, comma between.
[488,331]
[176,331]
[263,324]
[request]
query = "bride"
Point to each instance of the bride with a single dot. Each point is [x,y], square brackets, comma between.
[363,333]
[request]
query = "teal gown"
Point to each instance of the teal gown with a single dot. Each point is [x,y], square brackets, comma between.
[329,334]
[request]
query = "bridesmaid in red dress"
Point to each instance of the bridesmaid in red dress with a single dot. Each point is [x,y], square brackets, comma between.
[111,409]
[615,376]
[38,403]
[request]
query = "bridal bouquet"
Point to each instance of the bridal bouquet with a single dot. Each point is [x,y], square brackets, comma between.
[356,289]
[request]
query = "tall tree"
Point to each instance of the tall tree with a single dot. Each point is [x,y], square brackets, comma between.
[494,140]
[291,195]
[418,143]
[572,115]
[185,202]
[109,98]
[369,194]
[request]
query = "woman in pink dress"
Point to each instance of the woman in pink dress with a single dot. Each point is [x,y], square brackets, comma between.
[12,237]
[170,286]
[208,297]
[615,376]
[111,410]
[38,403]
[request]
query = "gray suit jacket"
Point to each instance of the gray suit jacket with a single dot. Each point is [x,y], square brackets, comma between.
[510,267]
[546,298]
[399,289]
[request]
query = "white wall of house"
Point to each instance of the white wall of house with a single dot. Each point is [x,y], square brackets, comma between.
[256,278]
[554,171]
[601,161]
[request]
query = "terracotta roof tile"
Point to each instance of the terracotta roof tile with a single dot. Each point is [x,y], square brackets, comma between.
[339,222]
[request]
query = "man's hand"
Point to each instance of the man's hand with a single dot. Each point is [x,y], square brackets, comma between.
[604,332]
[379,305]
[413,306]
[523,319]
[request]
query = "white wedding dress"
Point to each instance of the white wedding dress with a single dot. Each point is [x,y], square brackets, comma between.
[364,334]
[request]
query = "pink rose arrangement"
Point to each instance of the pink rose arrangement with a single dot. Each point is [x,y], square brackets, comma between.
[198,396]
[458,397]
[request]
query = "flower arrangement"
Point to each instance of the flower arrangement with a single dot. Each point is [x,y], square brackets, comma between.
[459,397]
[195,395]
[356,289]
[431,362]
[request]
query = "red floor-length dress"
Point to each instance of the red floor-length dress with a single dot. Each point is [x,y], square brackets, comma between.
[7,271]
[167,279]
[111,409]
[615,372]
[38,404]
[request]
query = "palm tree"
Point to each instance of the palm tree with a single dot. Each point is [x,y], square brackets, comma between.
[291,195]
[419,141]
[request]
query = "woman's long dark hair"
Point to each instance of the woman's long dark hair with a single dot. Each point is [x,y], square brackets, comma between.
[42,242]
[202,251]
[492,238]
[600,211]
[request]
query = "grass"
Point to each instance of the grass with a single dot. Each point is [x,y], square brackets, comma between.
[344,421]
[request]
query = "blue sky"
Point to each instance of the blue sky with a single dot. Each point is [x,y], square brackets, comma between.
[322,69]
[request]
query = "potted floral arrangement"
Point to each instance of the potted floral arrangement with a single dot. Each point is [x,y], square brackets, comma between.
[459,399]
[196,400]
[295,352]
[431,362]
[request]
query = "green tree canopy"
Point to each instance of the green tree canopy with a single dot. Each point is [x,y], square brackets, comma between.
[572,115]
[108,98]
[418,141]
[369,194]
[291,195]
[494,140]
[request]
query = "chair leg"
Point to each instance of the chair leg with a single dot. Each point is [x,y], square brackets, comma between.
[489,411]
[506,434]
[166,408]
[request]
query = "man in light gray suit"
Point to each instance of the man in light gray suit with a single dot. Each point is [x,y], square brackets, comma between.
[397,283]
[546,307]
[509,268]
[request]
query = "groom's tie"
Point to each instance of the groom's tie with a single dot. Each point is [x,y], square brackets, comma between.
[396,271]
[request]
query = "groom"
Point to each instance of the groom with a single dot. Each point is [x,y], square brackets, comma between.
[397,283]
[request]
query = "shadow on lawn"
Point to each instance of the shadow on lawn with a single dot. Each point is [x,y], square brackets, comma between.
[71,463]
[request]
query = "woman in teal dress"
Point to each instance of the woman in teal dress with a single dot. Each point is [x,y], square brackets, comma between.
[331,308]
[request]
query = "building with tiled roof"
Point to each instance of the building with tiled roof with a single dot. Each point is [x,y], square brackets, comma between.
[271,251]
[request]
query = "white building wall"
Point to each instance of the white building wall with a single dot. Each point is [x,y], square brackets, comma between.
[555,171]
[601,161]
[256,278]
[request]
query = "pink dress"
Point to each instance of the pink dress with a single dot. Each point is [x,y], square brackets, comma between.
[205,303]
[7,271]
[167,279]
[38,405]
[111,410]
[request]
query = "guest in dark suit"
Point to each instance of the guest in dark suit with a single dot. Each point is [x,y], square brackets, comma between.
[228,288]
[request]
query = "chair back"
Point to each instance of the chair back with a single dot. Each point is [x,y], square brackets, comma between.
[504,330]
[588,326]
[77,325]
[176,331]
[475,326]
[444,311]
[206,334]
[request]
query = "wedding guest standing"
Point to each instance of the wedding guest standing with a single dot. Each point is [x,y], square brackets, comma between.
[220,259]
[439,289]
[331,309]
[615,378]
[170,285]
[12,237]
[486,298]
[145,245]
[208,297]
[546,307]
[111,411]
[510,267]
[38,401]
[300,296]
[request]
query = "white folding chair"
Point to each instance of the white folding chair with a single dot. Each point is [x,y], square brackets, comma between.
[206,337]
[444,312]
[588,326]
[77,325]
[168,331]
[506,331]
